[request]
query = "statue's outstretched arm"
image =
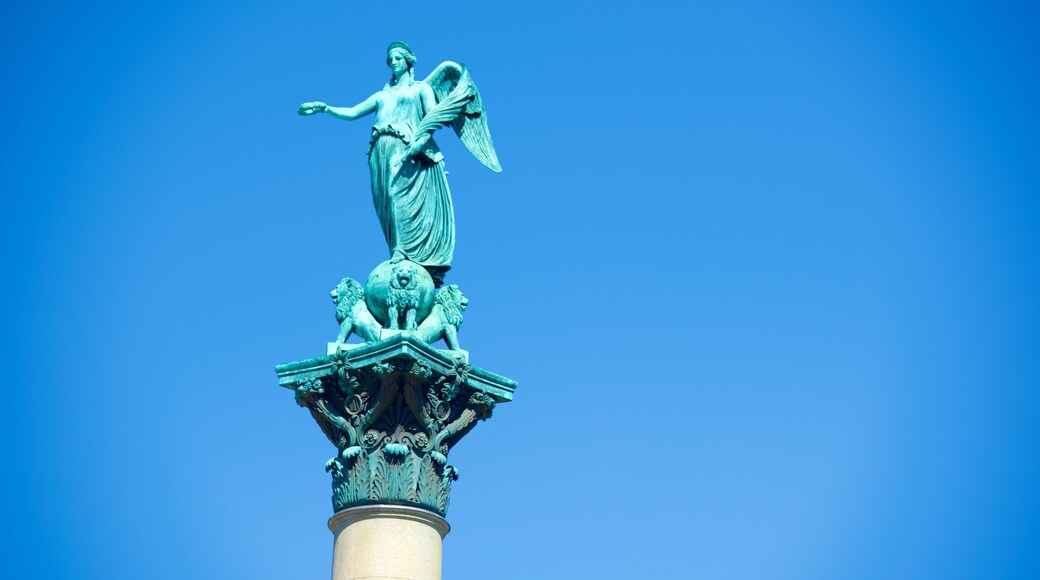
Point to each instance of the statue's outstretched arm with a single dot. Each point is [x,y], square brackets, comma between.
[346,113]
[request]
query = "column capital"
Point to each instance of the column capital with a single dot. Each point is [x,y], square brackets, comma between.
[394,408]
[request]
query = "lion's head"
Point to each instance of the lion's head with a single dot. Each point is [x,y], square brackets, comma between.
[453,303]
[346,294]
[404,277]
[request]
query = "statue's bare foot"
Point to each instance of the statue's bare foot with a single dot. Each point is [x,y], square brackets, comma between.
[398,257]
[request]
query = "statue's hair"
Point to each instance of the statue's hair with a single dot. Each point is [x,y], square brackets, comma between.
[349,293]
[450,299]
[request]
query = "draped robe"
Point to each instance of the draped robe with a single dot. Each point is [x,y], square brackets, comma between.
[411,196]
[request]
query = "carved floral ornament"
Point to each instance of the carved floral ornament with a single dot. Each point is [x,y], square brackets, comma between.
[394,423]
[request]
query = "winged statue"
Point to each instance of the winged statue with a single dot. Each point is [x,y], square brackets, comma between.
[409,184]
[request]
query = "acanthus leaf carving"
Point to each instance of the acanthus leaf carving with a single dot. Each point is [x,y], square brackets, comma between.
[393,423]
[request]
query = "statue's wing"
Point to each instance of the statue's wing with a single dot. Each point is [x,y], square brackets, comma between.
[459,105]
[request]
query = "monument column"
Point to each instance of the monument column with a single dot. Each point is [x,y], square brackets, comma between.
[394,405]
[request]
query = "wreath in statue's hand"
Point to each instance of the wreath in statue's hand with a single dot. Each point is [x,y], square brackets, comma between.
[311,108]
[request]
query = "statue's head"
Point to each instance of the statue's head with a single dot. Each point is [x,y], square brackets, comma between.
[399,54]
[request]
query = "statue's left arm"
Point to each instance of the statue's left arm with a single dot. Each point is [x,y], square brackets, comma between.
[429,101]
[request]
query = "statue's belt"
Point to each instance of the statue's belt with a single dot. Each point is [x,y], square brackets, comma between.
[432,151]
[388,130]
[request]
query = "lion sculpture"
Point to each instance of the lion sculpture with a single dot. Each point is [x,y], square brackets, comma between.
[352,312]
[402,298]
[445,318]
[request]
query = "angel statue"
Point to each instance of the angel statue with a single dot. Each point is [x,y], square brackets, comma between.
[409,183]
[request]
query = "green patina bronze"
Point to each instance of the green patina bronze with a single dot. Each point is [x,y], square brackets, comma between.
[394,405]
[409,183]
[394,409]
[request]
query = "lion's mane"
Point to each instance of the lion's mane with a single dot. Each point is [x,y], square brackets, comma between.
[450,299]
[347,293]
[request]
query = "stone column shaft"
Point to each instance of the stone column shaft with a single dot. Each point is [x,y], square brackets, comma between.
[387,542]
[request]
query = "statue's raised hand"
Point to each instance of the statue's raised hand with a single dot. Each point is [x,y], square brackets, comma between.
[311,108]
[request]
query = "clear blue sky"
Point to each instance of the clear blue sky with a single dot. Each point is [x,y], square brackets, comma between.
[767,275]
